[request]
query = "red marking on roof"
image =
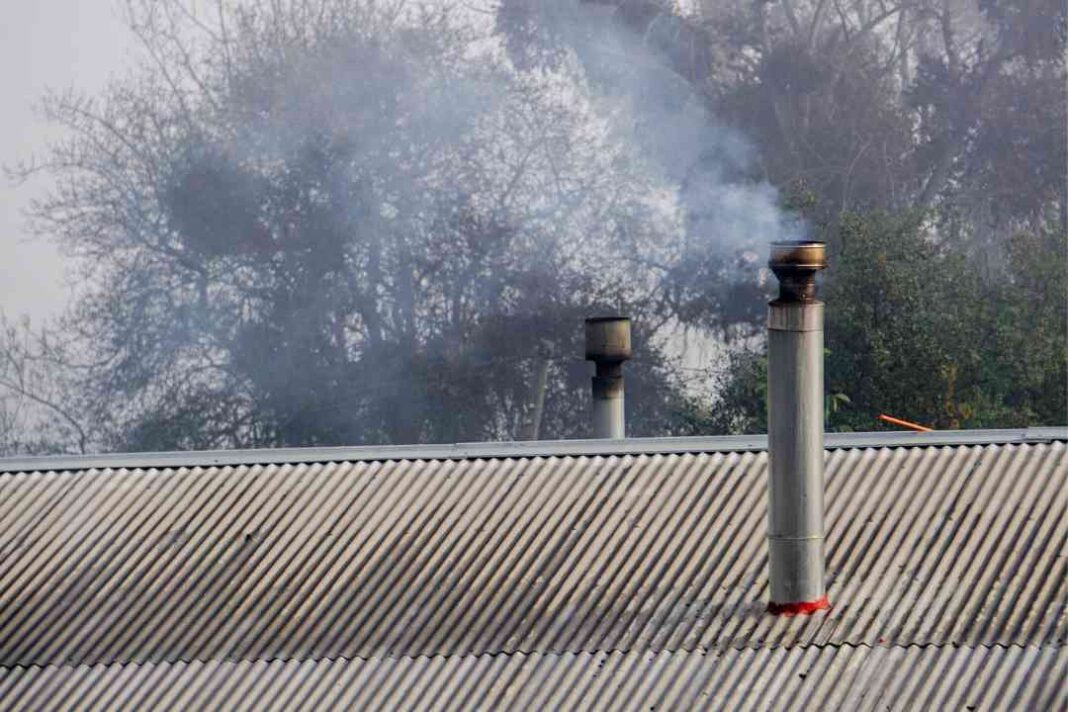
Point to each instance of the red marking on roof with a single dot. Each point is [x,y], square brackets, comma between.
[801,608]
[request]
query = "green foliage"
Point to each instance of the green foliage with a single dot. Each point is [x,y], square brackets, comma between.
[901,312]
[916,331]
[742,405]
[1027,356]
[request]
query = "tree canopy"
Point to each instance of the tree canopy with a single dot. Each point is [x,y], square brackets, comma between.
[363,221]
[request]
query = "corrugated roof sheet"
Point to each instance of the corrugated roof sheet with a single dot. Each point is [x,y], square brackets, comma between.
[382,568]
[825,677]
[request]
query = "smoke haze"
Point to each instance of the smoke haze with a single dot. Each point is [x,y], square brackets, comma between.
[357,221]
[709,167]
[315,240]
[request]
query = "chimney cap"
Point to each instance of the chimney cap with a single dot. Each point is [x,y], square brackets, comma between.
[796,263]
[608,338]
[799,254]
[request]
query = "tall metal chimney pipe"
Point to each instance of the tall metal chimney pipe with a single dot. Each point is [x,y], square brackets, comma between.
[795,431]
[608,346]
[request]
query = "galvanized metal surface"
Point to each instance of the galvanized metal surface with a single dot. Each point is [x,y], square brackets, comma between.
[935,546]
[795,453]
[608,417]
[545,448]
[608,345]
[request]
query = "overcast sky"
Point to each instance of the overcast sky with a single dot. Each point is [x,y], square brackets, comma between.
[44,43]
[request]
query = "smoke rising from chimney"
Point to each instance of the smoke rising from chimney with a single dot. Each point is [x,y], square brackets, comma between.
[709,169]
[334,218]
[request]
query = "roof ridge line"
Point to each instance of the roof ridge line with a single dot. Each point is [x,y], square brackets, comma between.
[523,449]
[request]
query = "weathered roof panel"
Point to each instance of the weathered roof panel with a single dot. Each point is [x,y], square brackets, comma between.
[580,580]
[935,545]
[831,678]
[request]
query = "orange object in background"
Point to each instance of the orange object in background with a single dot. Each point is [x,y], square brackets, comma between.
[904,423]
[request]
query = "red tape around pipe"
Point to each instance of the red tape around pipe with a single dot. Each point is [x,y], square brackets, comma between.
[802,608]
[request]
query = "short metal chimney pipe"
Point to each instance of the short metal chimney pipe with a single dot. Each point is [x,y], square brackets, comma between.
[608,346]
[795,431]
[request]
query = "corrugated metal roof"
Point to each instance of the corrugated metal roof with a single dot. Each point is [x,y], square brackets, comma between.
[825,678]
[137,576]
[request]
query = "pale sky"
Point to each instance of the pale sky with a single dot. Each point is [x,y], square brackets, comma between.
[55,44]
